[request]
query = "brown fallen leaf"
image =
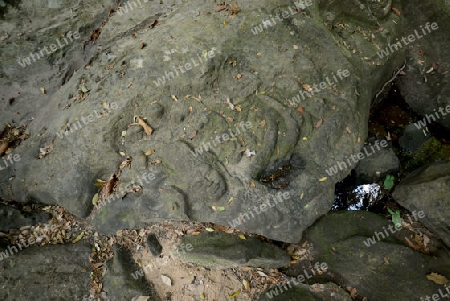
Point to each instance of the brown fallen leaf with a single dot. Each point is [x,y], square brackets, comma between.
[148,130]
[396,11]
[149,152]
[234,8]
[4,37]
[307,87]
[3,147]
[300,110]
[153,24]
[220,8]
[125,163]
[108,187]
[193,134]
[436,278]
[318,123]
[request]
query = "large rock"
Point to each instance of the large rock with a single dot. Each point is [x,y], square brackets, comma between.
[12,218]
[51,272]
[123,279]
[378,164]
[428,189]
[425,84]
[221,250]
[243,71]
[316,292]
[384,270]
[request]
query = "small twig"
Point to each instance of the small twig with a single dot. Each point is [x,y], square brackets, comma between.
[387,83]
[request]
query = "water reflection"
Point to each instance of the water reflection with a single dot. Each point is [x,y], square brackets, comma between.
[361,197]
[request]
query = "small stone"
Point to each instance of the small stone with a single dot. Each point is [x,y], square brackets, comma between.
[166,280]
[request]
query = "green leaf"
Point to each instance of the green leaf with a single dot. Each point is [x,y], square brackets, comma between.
[78,238]
[389,181]
[95,199]
[84,89]
[396,218]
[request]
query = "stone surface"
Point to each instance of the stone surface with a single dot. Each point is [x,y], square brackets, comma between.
[425,85]
[413,138]
[221,250]
[51,272]
[377,165]
[119,282]
[428,189]
[306,293]
[11,218]
[123,79]
[386,270]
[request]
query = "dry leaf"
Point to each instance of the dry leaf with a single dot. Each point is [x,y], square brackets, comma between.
[148,130]
[242,237]
[78,238]
[234,8]
[235,294]
[209,229]
[318,123]
[348,130]
[353,293]
[263,123]
[307,87]
[149,152]
[193,134]
[99,183]
[300,110]
[261,274]
[396,11]
[43,90]
[220,8]
[195,233]
[4,37]
[125,163]
[322,179]
[95,199]
[295,47]
[436,278]
[246,284]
